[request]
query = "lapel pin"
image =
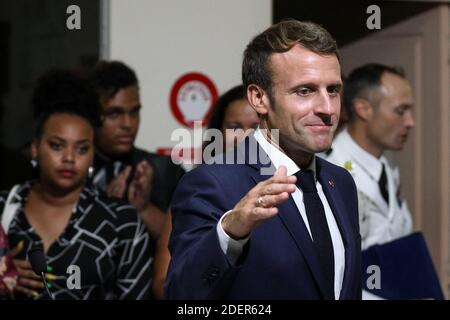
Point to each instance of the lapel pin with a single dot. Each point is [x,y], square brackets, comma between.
[348,165]
[331,183]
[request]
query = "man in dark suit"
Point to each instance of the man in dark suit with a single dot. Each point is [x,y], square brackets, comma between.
[270,220]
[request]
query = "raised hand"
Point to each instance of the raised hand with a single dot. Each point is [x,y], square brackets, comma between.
[140,187]
[118,185]
[259,204]
[28,281]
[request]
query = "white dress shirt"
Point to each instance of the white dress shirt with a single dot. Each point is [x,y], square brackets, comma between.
[233,248]
[379,221]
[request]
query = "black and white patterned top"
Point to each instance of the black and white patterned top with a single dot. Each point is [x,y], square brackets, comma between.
[105,238]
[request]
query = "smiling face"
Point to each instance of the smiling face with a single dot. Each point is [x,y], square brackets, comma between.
[65,151]
[120,124]
[391,120]
[305,102]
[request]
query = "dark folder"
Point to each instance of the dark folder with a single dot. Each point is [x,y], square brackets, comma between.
[406,269]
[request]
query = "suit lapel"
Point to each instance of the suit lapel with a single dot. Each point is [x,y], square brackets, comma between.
[292,220]
[337,206]
[288,214]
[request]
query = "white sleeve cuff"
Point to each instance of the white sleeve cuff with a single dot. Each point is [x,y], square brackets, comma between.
[230,247]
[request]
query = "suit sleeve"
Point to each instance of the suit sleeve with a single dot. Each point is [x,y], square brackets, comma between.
[198,269]
[354,208]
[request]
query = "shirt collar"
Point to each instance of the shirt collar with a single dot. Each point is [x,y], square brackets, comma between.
[21,193]
[127,158]
[85,200]
[278,157]
[367,161]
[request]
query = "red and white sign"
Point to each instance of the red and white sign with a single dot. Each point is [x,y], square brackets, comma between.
[192,98]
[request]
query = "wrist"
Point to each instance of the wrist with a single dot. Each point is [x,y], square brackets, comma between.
[235,233]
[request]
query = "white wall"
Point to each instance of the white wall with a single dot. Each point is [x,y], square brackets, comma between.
[163,39]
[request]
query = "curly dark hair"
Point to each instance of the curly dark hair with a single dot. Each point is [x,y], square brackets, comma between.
[109,77]
[61,91]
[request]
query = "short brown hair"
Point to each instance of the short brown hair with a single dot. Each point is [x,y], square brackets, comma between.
[281,37]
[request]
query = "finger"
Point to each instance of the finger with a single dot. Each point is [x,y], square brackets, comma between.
[24,269]
[273,200]
[139,180]
[14,252]
[141,167]
[113,186]
[27,273]
[264,213]
[276,188]
[125,173]
[31,284]
[281,171]
[280,179]
[116,180]
[143,172]
[122,183]
[118,192]
[26,291]
[142,181]
[147,170]
[21,263]
[262,187]
[131,191]
[121,178]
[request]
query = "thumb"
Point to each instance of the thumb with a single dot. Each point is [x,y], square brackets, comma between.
[281,171]
[14,252]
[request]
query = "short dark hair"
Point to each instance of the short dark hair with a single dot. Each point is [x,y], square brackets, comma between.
[362,82]
[218,115]
[60,91]
[108,77]
[220,108]
[279,38]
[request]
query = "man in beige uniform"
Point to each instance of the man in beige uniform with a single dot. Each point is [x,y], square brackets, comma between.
[378,100]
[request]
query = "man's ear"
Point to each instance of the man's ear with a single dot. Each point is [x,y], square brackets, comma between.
[363,109]
[34,149]
[258,99]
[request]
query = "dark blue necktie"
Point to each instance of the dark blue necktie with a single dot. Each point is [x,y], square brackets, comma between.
[318,226]
[382,184]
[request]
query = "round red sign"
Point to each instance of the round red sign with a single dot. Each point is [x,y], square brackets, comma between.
[192,98]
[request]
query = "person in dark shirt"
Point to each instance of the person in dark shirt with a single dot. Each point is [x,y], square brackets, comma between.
[146,180]
[95,247]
